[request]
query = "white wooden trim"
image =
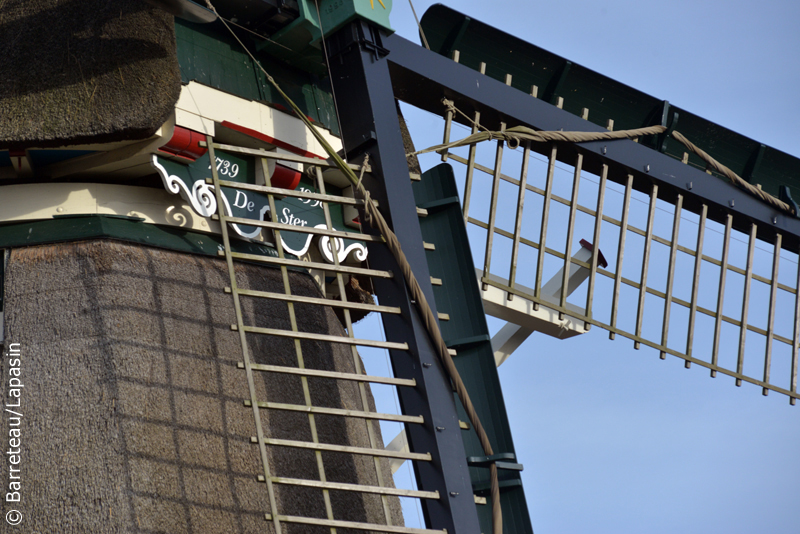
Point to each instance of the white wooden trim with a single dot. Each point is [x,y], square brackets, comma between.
[200,106]
[155,206]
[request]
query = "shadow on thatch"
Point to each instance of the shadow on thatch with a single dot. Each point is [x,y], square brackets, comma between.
[134,416]
[78,71]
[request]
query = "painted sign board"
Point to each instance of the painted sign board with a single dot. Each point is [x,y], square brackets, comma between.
[189,180]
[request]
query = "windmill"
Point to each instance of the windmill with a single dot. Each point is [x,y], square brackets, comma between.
[270,160]
[557,376]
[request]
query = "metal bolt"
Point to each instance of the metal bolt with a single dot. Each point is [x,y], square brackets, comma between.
[605,149]
[454,494]
[426,364]
[774,220]
[647,168]
[440,428]
[689,186]
[731,203]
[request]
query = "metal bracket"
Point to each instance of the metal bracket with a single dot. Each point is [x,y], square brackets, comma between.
[662,138]
[436,205]
[486,461]
[785,195]
[485,488]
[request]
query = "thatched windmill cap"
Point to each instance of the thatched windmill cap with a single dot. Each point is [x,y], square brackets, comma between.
[84,71]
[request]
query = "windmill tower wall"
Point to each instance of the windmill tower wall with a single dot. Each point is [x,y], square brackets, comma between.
[132,412]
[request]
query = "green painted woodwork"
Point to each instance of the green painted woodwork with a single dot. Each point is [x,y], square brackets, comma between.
[65,228]
[208,54]
[606,99]
[336,13]
[467,332]
[300,42]
[253,205]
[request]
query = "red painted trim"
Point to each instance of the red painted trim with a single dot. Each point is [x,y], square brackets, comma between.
[600,259]
[184,143]
[271,140]
[179,156]
[285,177]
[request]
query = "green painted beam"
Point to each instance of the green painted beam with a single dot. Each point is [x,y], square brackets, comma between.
[605,98]
[467,332]
[66,228]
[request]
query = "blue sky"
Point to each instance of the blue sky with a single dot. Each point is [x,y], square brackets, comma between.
[614,439]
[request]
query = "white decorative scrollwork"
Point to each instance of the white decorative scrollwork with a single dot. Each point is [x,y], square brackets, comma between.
[201,197]
[342,252]
[179,215]
[203,201]
[302,250]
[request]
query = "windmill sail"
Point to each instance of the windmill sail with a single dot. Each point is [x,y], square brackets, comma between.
[698,267]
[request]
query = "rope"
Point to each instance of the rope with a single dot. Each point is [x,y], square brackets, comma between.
[732,176]
[421,32]
[450,106]
[376,220]
[516,135]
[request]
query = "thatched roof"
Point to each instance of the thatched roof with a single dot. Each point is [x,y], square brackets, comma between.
[84,71]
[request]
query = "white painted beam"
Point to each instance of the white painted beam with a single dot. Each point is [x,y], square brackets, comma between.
[521,311]
[507,340]
[398,444]
[552,289]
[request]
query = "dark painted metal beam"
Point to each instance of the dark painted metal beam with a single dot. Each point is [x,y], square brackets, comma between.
[363,87]
[422,78]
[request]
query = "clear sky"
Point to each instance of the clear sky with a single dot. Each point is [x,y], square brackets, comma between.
[615,440]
